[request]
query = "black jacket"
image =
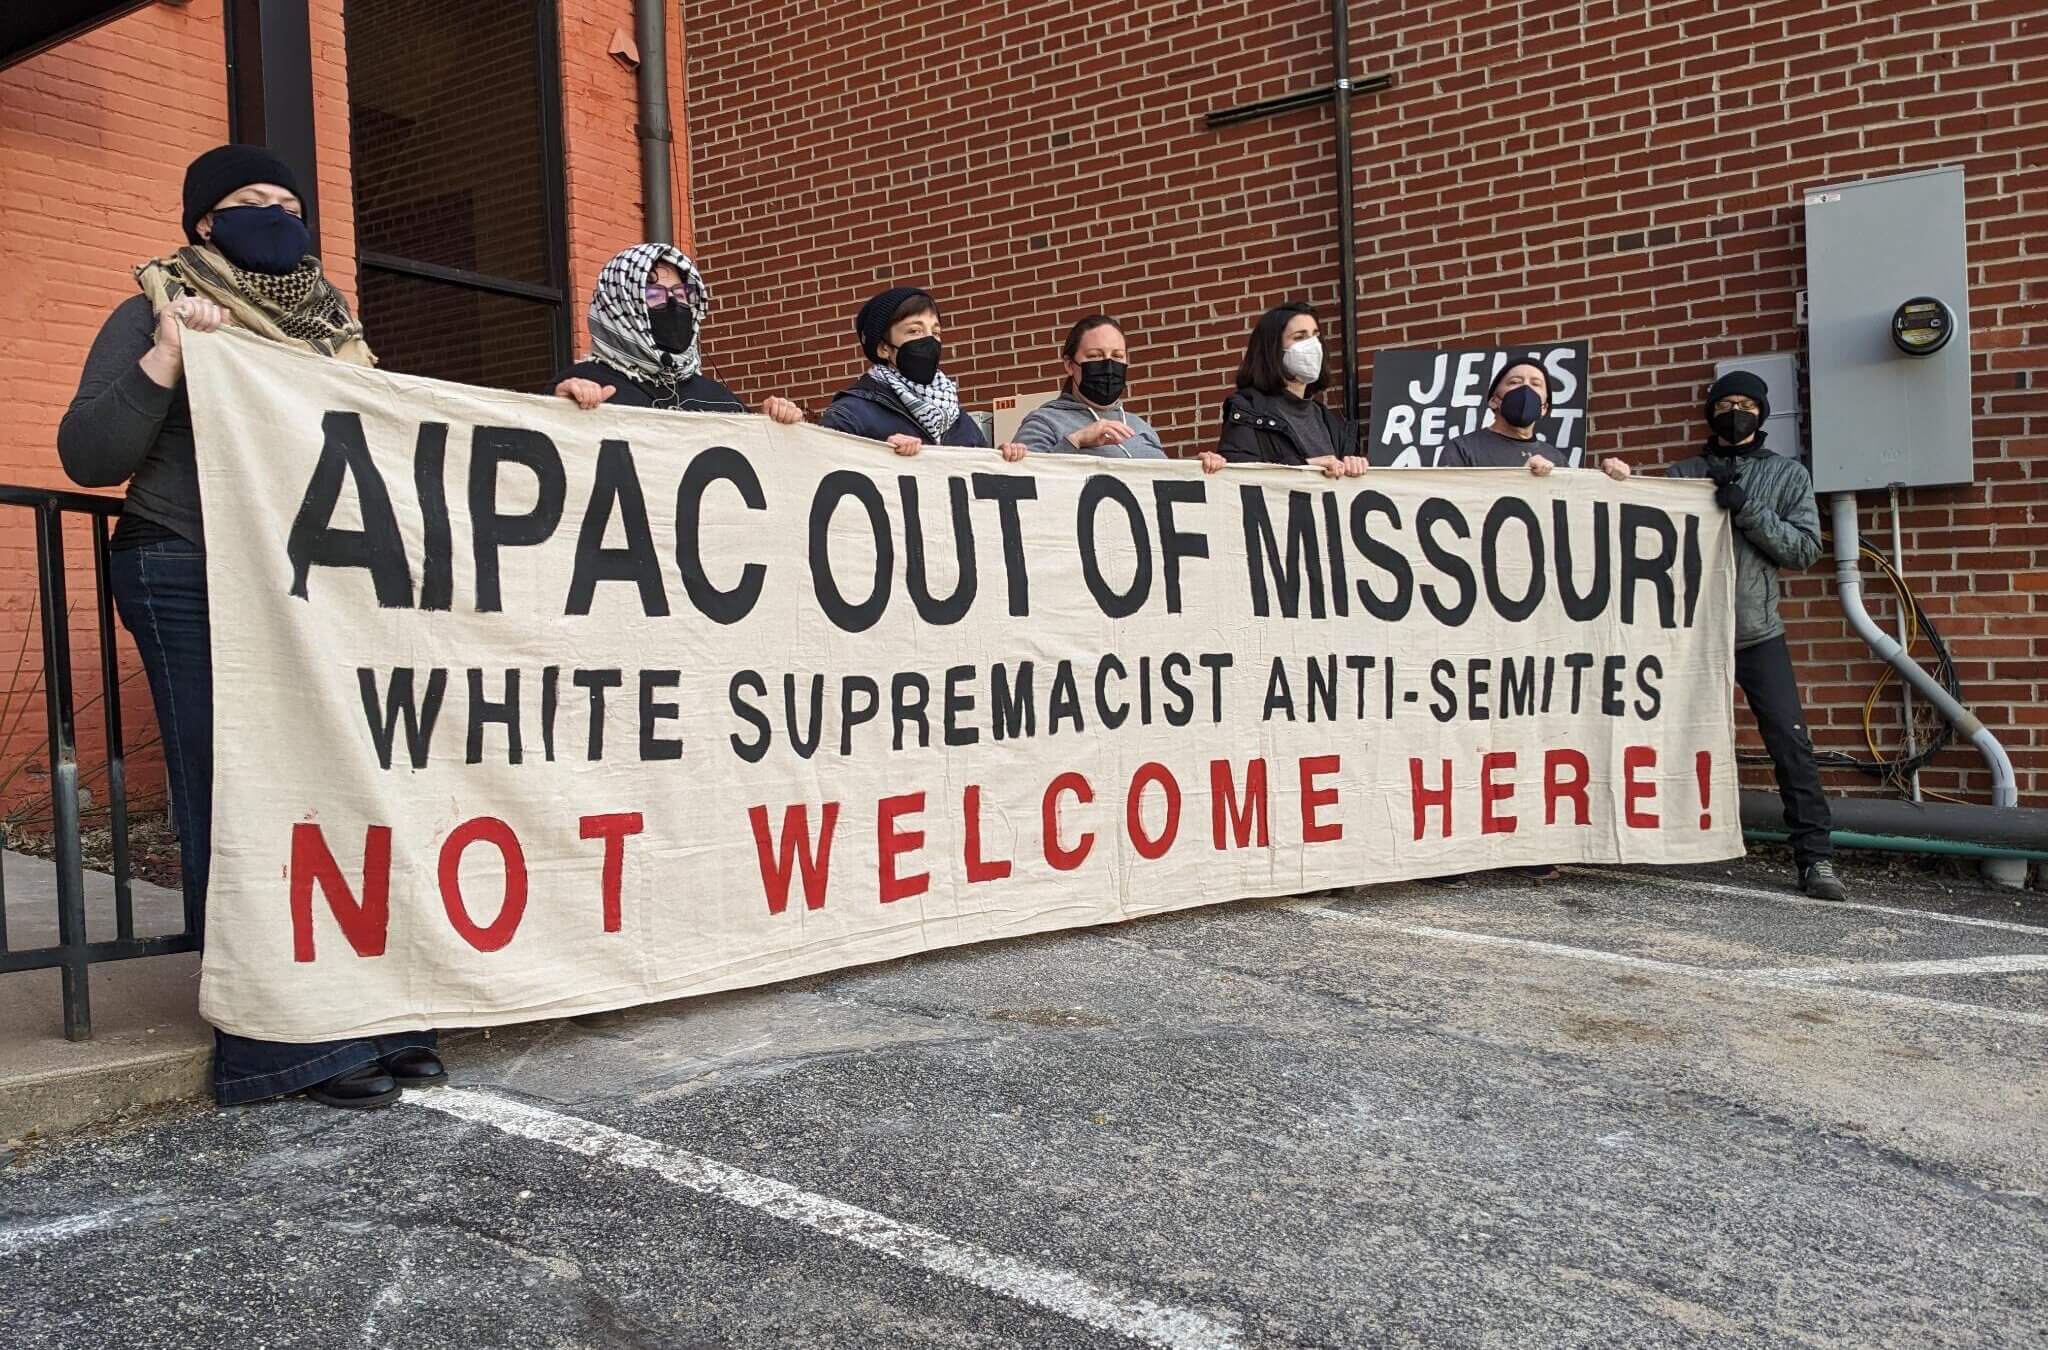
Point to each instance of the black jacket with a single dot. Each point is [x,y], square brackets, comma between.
[1256,430]
[871,409]
[699,393]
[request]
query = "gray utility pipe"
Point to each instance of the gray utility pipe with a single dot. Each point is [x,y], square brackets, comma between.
[1849,586]
[650,32]
[2018,830]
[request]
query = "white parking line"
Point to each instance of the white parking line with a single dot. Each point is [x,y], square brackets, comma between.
[1793,898]
[2011,964]
[1765,979]
[1063,1292]
[16,1240]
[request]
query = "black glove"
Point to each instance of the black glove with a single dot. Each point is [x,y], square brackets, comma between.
[1731,494]
[1720,470]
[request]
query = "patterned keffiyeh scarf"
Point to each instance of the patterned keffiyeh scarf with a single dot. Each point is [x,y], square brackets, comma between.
[301,307]
[620,335]
[936,406]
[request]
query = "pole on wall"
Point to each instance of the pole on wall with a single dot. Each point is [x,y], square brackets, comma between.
[270,89]
[657,139]
[1338,92]
[1347,259]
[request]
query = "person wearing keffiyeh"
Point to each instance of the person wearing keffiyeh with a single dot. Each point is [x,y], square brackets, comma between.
[905,399]
[646,315]
[247,263]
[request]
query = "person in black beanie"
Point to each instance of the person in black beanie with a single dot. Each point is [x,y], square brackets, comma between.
[1776,526]
[247,263]
[905,399]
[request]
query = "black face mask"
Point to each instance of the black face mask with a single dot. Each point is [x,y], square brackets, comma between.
[675,327]
[1733,426]
[1521,406]
[265,239]
[1102,382]
[918,361]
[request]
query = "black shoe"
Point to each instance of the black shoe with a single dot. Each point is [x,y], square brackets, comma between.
[1539,873]
[1818,880]
[415,1068]
[360,1089]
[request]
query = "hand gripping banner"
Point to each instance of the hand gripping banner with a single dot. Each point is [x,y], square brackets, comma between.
[523,711]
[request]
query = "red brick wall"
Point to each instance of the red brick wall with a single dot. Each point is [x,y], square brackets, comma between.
[94,138]
[1600,170]
[600,111]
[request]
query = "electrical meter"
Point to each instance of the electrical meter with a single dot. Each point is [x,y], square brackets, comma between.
[1922,326]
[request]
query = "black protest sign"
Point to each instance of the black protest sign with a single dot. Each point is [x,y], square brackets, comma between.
[1424,397]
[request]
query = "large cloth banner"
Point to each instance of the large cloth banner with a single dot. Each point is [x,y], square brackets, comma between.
[522,711]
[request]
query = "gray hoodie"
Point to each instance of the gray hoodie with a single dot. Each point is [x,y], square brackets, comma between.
[1045,430]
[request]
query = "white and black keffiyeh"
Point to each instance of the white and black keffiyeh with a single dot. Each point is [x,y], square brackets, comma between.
[936,406]
[620,335]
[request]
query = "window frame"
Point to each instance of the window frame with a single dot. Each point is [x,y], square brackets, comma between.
[554,197]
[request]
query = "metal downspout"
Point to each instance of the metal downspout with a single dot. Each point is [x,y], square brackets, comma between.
[656,138]
[1849,586]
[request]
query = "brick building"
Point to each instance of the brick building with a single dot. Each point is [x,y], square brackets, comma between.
[1626,173]
[471,165]
[1613,170]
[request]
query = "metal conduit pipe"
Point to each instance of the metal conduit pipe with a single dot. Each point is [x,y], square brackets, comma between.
[1849,587]
[2014,831]
[650,33]
[1900,843]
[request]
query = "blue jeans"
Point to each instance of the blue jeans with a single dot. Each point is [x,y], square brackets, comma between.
[160,592]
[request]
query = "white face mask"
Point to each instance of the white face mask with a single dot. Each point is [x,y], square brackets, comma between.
[1304,360]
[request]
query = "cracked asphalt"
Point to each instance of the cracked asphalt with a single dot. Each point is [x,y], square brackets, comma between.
[1638,1109]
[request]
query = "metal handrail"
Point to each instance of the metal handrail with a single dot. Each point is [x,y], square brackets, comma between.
[75,953]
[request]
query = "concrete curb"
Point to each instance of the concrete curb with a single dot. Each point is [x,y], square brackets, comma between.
[50,1103]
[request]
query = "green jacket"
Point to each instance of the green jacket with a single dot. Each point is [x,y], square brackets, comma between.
[1778,526]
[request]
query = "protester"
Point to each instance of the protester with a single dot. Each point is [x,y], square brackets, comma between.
[905,399]
[646,317]
[246,265]
[1089,418]
[1777,525]
[1518,398]
[1275,416]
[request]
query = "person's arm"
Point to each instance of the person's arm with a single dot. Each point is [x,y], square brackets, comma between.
[1037,434]
[1239,443]
[118,411]
[1788,530]
[1146,436]
[840,418]
[966,432]
[586,384]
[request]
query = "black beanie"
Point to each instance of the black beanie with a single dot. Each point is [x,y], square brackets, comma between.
[1502,374]
[873,321]
[222,170]
[1745,384]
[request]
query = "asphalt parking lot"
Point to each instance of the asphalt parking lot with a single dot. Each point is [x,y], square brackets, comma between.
[1618,1109]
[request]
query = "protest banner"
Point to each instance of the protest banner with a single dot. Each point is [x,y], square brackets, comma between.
[525,711]
[1422,398]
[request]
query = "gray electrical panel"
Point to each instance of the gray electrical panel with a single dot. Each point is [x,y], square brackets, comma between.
[1780,373]
[1881,416]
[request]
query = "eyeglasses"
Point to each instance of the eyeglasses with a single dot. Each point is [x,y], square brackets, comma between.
[657,296]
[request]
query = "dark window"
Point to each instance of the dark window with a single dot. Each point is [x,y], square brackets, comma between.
[454,130]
